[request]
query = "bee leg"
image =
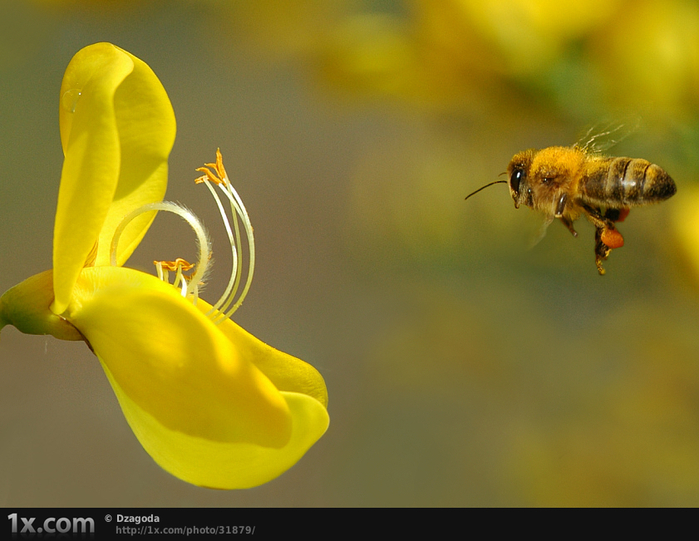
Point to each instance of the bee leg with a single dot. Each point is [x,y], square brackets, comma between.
[561,205]
[606,235]
[617,215]
[569,224]
[595,216]
[559,213]
[612,214]
[605,223]
[602,251]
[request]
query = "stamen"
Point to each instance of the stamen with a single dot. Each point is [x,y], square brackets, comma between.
[177,264]
[232,298]
[208,176]
[232,237]
[228,304]
[189,287]
[219,177]
[159,268]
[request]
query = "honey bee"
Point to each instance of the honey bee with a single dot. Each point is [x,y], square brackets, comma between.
[567,182]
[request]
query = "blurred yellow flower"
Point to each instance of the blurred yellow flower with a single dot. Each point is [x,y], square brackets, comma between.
[648,57]
[686,229]
[590,58]
[209,402]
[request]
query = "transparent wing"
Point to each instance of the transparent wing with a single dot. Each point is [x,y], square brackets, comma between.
[601,137]
[541,233]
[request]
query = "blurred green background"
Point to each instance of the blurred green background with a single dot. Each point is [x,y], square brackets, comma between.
[463,367]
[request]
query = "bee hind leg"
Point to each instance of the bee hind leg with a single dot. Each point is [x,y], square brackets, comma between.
[602,251]
[617,215]
[606,235]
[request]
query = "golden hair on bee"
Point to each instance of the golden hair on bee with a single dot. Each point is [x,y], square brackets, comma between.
[567,182]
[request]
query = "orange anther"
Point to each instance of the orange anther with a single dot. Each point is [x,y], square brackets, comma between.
[219,165]
[217,176]
[208,175]
[178,263]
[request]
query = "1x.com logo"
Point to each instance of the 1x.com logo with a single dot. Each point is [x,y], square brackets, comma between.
[52,525]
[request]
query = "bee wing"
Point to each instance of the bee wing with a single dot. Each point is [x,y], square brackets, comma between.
[599,138]
[541,233]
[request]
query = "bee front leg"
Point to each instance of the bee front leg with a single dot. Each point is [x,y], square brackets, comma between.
[561,205]
[569,224]
[560,213]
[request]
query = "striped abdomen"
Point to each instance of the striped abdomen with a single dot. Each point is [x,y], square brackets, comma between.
[625,182]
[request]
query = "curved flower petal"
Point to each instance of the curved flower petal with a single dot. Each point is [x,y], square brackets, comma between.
[286,372]
[146,125]
[173,363]
[26,306]
[117,129]
[221,465]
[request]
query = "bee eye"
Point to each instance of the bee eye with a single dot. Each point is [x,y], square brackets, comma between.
[516,179]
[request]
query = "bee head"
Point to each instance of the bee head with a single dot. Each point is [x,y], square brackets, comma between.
[517,175]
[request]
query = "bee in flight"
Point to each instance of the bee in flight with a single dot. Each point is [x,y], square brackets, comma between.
[567,182]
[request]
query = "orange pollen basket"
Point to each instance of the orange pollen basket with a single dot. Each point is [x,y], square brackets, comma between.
[612,238]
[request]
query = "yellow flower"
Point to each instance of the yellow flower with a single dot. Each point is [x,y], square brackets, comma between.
[209,402]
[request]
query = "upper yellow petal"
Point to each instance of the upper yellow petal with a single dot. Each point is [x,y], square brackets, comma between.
[146,125]
[173,362]
[117,129]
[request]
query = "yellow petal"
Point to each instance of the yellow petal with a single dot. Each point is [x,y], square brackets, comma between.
[220,465]
[146,124]
[26,306]
[117,129]
[286,372]
[173,363]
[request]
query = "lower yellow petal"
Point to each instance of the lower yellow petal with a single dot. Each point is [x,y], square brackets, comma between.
[286,372]
[172,362]
[220,465]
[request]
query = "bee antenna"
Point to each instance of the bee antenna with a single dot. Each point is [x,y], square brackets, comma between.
[484,187]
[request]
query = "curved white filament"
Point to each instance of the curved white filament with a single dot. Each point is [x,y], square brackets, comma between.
[189,288]
[228,303]
[233,296]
